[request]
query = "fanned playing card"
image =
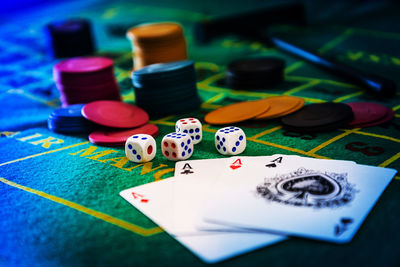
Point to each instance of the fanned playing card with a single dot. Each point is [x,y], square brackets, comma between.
[156,201]
[321,199]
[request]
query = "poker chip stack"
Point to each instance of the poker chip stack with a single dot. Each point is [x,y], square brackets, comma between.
[157,43]
[69,38]
[85,79]
[255,73]
[166,88]
[69,120]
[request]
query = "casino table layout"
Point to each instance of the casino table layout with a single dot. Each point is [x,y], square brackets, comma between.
[59,193]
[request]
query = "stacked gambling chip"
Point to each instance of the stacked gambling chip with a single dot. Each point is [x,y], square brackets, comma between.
[121,120]
[111,123]
[69,120]
[157,43]
[263,109]
[166,88]
[255,73]
[69,38]
[85,79]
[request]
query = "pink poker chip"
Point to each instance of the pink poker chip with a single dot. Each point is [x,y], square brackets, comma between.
[366,112]
[105,87]
[115,114]
[80,65]
[84,71]
[118,138]
[389,116]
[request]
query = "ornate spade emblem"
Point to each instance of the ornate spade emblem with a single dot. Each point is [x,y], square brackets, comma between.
[308,188]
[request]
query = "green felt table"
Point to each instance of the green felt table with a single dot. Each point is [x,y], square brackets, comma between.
[59,194]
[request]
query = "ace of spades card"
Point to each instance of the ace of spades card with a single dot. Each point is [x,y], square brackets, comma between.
[295,196]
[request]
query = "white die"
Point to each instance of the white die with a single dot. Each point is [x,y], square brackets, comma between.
[190,126]
[177,146]
[230,140]
[140,148]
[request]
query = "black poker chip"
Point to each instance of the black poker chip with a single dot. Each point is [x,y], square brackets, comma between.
[319,118]
[69,38]
[255,73]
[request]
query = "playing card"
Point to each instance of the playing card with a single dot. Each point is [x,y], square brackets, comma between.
[194,180]
[321,199]
[156,201]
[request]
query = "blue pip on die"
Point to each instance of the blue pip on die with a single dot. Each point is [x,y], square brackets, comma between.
[230,140]
[177,146]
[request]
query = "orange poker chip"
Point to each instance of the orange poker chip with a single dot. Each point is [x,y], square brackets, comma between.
[157,43]
[155,32]
[237,112]
[281,106]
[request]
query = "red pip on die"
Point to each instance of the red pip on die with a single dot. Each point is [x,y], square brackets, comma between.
[177,146]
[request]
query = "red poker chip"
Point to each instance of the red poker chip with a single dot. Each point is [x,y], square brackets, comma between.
[115,114]
[118,138]
[366,112]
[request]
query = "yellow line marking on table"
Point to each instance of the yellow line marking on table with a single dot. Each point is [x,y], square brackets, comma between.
[210,106]
[266,132]
[295,150]
[215,98]
[43,153]
[396,107]
[330,141]
[294,67]
[210,88]
[97,214]
[212,79]
[390,160]
[205,128]
[339,39]
[164,121]
[302,87]
[378,136]
[130,96]
[32,97]
[340,99]
[379,34]
[331,82]
[207,65]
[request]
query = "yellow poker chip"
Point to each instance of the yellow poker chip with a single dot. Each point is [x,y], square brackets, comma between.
[237,112]
[281,106]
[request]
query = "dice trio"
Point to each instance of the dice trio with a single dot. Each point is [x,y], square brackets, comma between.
[179,145]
